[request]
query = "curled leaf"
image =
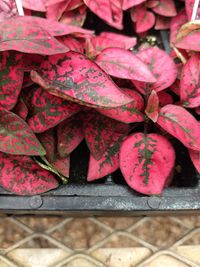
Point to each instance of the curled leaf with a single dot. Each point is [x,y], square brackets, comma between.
[152,106]
[124,64]
[74,77]
[146,162]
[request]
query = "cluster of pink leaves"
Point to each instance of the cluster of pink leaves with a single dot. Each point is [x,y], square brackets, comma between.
[60,84]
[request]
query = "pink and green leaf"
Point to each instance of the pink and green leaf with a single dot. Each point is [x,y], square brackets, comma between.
[69,135]
[128,113]
[190,83]
[48,110]
[22,35]
[8,9]
[181,124]
[152,106]
[165,8]
[74,77]
[16,137]
[176,23]
[21,109]
[146,162]
[100,132]
[11,78]
[130,3]
[161,65]
[22,176]
[124,64]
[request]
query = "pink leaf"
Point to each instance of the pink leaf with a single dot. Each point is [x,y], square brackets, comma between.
[7,9]
[124,64]
[11,74]
[69,135]
[195,157]
[189,4]
[47,110]
[144,20]
[106,10]
[71,43]
[128,113]
[190,83]
[162,23]
[62,166]
[146,162]
[100,132]
[21,35]
[96,44]
[55,11]
[161,65]
[74,77]
[165,8]
[165,98]
[189,41]
[130,3]
[181,124]
[152,3]
[176,23]
[16,137]
[75,17]
[22,176]
[152,106]
[36,5]
[108,163]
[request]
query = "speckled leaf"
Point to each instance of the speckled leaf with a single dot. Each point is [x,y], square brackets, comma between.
[21,109]
[22,35]
[146,162]
[22,176]
[190,83]
[48,110]
[130,3]
[106,10]
[161,65]
[175,87]
[11,78]
[188,28]
[74,77]
[195,157]
[62,166]
[55,11]
[16,137]
[100,132]
[48,141]
[144,20]
[54,28]
[72,43]
[162,23]
[37,5]
[128,42]
[124,64]
[152,106]
[69,135]
[129,113]
[96,44]
[176,23]
[165,8]
[181,124]
[165,98]
[7,9]
[107,164]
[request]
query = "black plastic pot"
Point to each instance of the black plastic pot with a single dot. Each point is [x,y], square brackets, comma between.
[111,195]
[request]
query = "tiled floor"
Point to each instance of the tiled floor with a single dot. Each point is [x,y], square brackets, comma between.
[41,241]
